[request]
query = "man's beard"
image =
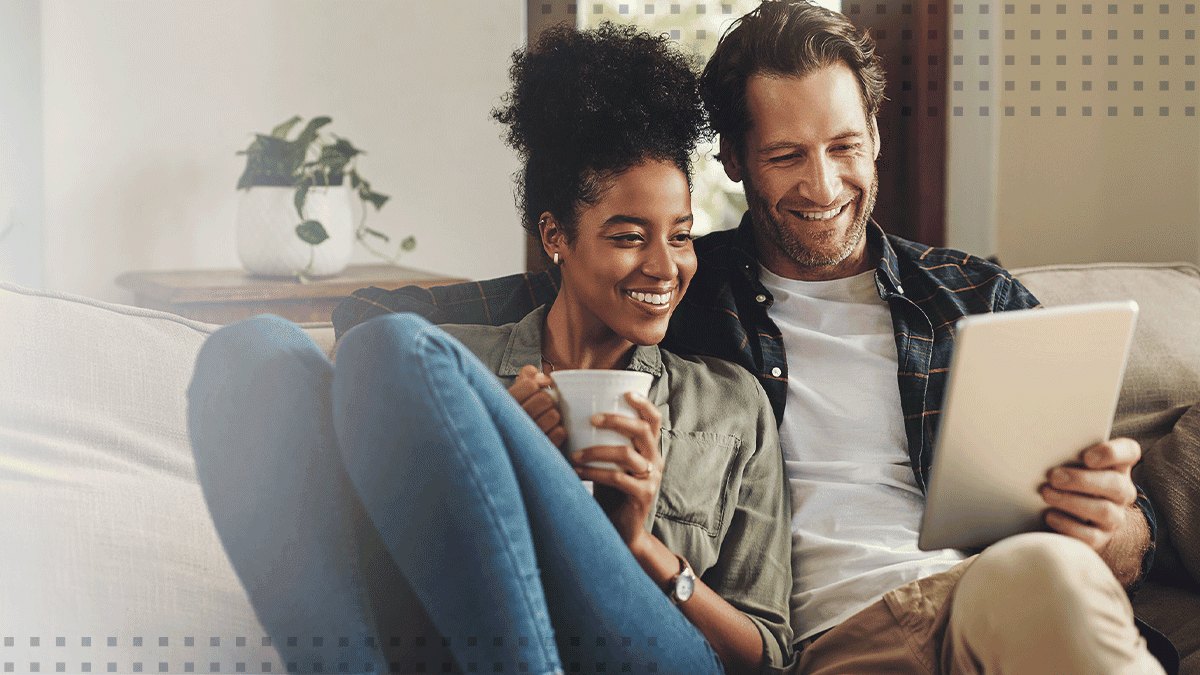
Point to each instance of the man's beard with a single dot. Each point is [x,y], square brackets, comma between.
[791,244]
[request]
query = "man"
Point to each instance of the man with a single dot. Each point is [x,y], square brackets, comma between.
[830,314]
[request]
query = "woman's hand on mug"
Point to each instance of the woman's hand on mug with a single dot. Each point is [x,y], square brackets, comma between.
[529,390]
[641,464]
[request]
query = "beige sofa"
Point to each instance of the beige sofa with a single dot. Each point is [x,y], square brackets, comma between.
[109,561]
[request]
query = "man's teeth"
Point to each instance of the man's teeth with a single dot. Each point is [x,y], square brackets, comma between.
[651,298]
[824,215]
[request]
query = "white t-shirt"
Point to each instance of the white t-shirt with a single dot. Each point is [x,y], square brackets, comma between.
[855,502]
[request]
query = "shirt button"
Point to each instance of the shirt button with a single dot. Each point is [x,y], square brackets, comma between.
[760,298]
[776,371]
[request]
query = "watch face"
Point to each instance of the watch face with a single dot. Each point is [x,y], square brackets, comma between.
[684,585]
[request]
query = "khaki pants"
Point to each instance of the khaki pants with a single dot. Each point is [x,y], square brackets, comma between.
[1032,603]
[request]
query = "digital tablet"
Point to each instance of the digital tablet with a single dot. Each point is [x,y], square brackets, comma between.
[1027,391]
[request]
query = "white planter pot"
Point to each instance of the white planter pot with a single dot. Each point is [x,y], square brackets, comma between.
[267,242]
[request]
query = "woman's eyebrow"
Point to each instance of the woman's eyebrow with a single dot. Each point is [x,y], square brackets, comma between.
[622,219]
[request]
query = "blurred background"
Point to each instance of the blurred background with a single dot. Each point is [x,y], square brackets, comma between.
[1033,132]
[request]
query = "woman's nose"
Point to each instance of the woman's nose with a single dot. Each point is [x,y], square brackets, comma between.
[660,262]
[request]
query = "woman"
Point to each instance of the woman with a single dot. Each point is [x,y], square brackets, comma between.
[517,566]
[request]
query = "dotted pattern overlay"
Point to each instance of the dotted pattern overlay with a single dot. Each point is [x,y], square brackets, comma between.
[1055,59]
[258,655]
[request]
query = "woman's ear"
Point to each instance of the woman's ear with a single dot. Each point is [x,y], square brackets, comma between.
[554,238]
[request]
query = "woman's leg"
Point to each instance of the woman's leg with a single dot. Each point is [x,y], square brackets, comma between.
[287,515]
[473,502]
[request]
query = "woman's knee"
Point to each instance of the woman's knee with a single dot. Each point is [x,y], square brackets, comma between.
[389,334]
[247,346]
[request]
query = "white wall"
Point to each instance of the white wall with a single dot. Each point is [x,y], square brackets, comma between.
[1075,187]
[20,143]
[146,103]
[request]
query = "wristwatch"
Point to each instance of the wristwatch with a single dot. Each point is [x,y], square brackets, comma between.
[680,587]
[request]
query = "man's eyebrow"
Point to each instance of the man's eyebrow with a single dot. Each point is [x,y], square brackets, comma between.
[782,145]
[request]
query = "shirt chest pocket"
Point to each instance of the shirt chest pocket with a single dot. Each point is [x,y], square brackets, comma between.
[699,478]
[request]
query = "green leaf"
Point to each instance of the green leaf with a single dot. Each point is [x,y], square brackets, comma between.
[309,134]
[282,130]
[333,158]
[376,233]
[269,161]
[312,231]
[298,200]
[375,198]
[409,243]
[345,147]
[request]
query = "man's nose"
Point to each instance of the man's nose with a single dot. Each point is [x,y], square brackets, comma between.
[822,182]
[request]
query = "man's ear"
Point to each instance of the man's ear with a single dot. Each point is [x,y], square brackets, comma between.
[554,239]
[731,161]
[875,133]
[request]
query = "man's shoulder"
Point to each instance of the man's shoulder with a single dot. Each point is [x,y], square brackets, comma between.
[943,261]
[978,284]
[717,248]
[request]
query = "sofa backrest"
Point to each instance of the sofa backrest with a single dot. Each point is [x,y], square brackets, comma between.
[1162,377]
[109,560]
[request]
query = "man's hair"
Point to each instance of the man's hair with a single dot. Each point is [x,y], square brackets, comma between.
[784,38]
[587,105]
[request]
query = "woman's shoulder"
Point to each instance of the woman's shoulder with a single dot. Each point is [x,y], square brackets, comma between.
[488,343]
[705,388]
[709,373]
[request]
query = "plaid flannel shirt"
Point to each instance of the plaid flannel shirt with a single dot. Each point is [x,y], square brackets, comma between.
[724,314]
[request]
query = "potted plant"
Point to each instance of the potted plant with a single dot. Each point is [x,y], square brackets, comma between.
[294,214]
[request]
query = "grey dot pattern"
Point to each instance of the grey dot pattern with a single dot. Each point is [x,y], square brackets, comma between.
[1087,41]
[239,658]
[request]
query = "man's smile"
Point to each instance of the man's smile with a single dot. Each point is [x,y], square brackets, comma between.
[820,215]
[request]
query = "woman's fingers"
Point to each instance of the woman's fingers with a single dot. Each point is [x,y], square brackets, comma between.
[628,460]
[642,431]
[529,381]
[529,389]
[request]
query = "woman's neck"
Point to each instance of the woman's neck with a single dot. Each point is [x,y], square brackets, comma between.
[574,338]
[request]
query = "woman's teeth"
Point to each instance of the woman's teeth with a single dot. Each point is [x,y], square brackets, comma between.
[650,298]
[824,215]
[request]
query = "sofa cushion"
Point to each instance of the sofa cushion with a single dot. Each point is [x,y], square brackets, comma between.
[109,560]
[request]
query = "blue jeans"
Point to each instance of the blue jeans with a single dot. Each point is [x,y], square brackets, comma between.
[438,488]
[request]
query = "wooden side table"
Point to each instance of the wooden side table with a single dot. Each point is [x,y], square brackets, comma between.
[225,296]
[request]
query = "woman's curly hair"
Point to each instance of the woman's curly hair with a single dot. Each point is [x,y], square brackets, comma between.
[587,105]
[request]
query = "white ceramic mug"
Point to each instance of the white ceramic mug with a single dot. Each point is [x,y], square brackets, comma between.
[583,393]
